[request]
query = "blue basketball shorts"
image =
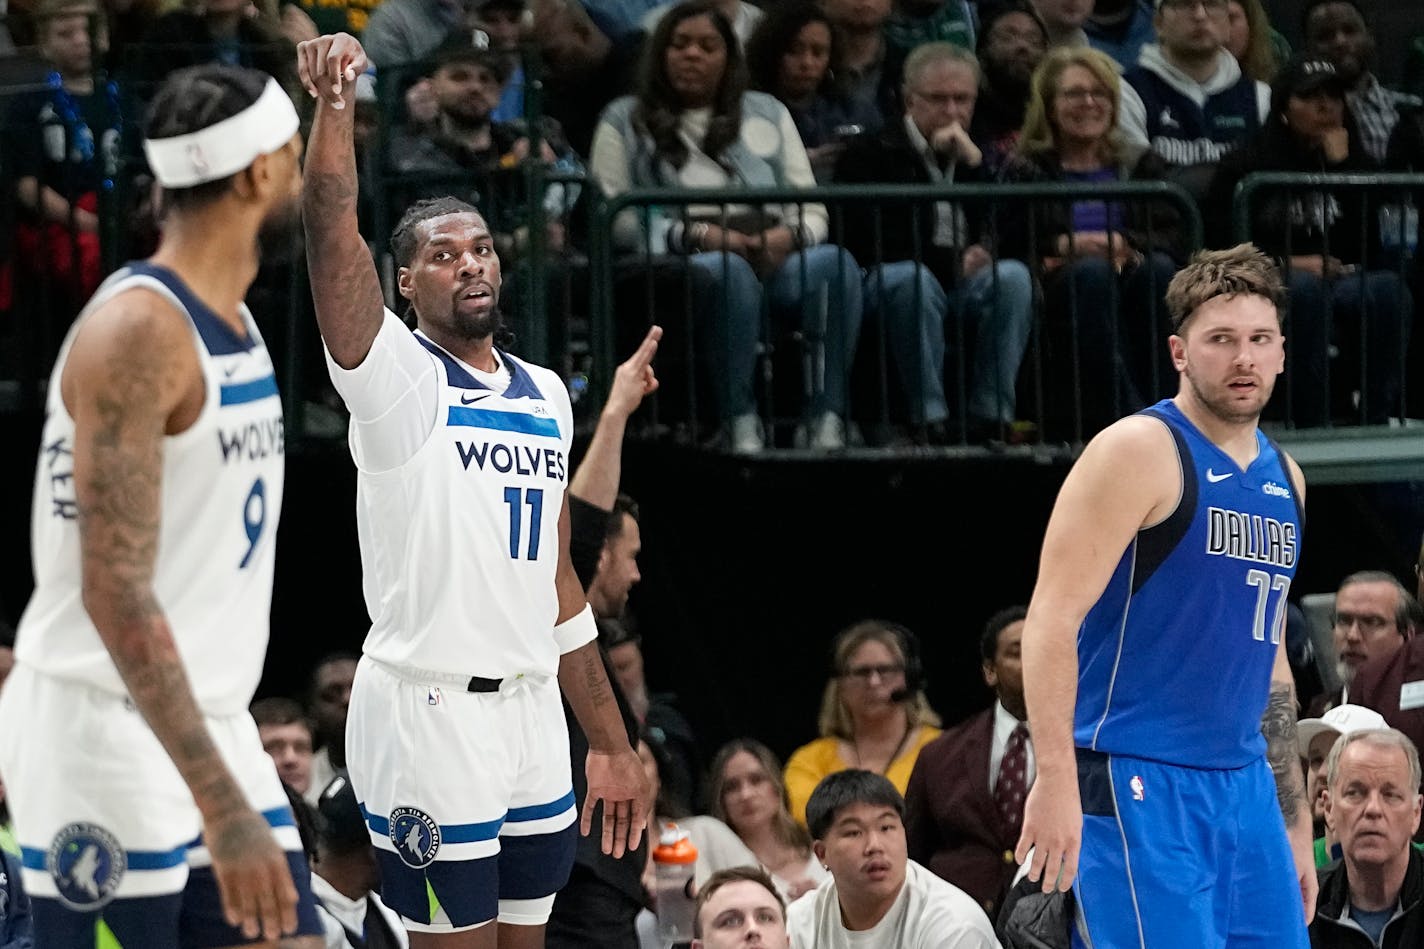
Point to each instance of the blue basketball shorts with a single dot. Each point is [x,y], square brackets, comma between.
[111,839]
[1183,858]
[468,796]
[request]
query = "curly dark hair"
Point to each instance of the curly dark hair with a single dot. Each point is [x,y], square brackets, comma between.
[659,110]
[405,242]
[773,37]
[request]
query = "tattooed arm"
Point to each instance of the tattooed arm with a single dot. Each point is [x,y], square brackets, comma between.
[1278,725]
[132,376]
[615,774]
[345,288]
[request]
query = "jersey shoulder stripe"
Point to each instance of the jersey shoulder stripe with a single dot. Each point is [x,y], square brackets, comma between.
[215,333]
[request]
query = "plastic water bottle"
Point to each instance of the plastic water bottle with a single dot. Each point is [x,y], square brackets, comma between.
[674,863]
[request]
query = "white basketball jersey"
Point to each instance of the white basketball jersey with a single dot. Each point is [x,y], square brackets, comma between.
[459,545]
[220,501]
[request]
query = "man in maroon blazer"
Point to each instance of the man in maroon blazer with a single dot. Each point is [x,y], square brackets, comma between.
[964,802]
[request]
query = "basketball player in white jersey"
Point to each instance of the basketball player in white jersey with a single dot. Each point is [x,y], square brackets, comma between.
[146,813]
[456,740]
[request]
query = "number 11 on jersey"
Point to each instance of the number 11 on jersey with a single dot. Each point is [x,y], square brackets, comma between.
[518,499]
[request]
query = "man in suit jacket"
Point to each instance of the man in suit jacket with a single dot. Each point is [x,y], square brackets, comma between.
[955,823]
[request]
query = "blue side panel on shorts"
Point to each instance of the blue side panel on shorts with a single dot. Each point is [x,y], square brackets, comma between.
[536,866]
[150,922]
[449,833]
[540,811]
[202,926]
[465,889]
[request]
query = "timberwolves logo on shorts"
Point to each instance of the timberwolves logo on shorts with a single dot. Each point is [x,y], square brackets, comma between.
[87,864]
[416,836]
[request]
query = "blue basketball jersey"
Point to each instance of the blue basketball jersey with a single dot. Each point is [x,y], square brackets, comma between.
[1174,660]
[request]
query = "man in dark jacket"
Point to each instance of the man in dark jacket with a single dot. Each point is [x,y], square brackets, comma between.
[961,819]
[925,260]
[1372,896]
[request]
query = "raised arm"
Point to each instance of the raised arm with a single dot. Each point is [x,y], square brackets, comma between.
[615,775]
[345,288]
[132,375]
[598,474]
[1097,513]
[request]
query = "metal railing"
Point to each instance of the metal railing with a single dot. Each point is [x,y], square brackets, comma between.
[1378,435]
[999,199]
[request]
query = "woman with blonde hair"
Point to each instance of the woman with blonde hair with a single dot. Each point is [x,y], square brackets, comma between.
[874,714]
[1105,265]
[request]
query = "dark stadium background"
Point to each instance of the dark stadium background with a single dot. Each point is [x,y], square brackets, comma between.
[750,569]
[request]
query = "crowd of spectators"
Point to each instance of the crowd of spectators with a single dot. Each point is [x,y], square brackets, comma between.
[949,302]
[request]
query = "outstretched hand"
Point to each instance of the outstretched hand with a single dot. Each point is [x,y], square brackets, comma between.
[328,67]
[634,380]
[618,780]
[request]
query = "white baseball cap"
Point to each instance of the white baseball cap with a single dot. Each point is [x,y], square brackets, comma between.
[1342,720]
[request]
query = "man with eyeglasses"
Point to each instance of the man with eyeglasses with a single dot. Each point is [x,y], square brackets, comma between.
[1374,607]
[1187,98]
[1374,616]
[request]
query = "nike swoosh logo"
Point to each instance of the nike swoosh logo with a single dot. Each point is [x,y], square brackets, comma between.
[228,371]
[1214,478]
[474,398]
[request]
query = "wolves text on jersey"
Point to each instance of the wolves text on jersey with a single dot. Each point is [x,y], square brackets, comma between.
[517,459]
[251,442]
[1252,537]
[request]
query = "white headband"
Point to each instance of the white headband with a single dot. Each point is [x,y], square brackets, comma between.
[226,148]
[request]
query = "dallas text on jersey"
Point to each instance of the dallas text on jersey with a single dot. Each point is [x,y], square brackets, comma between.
[1252,537]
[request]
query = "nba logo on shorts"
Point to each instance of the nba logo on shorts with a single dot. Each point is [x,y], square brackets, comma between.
[87,864]
[1137,788]
[416,836]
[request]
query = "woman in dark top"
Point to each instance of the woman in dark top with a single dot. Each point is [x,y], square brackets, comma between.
[1105,265]
[794,54]
[1333,279]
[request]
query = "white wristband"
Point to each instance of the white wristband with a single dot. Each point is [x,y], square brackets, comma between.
[576,631]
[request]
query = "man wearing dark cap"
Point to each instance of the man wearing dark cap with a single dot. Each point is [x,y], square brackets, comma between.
[465,144]
[466,83]
[1337,31]
[345,878]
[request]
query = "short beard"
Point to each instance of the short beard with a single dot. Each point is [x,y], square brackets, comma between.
[480,326]
[1006,83]
[1220,409]
[278,236]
